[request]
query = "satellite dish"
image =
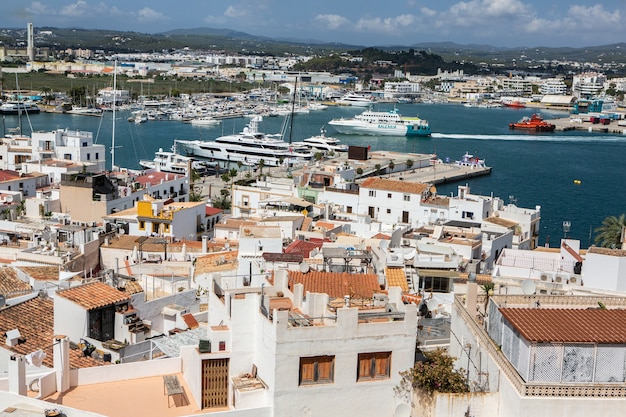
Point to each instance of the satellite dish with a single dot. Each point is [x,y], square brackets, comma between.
[3,300]
[529,287]
[402,410]
[304,267]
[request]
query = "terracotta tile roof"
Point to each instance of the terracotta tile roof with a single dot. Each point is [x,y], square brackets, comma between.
[381,236]
[395,185]
[11,285]
[212,211]
[325,225]
[336,285]
[282,257]
[155,177]
[190,321]
[94,295]
[41,273]
[303,246]
[35,321]
[568,325]
[133,287]
[214,262]
[396,278]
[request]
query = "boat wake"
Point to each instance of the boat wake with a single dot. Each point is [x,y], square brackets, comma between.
[534,138]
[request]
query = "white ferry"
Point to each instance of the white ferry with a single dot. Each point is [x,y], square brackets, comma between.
[248,147]
[389,123]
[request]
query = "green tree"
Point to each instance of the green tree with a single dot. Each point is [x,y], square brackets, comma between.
[233,173]
[359,171]
[610,233]
[318,156]
[377,167]
[391,165]
[435,373]
[409,163]
[261,165]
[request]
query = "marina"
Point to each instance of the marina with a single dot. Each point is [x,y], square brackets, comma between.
[528,168]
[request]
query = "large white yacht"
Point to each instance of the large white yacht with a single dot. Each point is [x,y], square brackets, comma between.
[16,107]
[248,147]
[353,99]
[166,161]
[389,123]
[323,143]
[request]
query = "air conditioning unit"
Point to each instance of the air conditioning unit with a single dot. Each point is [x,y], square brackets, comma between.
[544,277]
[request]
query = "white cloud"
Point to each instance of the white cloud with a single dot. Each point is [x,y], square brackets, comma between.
[428,12]
[38,8]
[333,21]
[232,11]
[80,8]
[149,15]
[389,25]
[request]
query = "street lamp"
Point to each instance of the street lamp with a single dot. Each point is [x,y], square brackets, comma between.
[566,227]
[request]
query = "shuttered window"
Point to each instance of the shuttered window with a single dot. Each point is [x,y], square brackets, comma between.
[317,370]
[374,366]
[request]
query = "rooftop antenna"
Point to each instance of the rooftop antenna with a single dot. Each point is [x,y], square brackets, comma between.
[512,199]
[567,225]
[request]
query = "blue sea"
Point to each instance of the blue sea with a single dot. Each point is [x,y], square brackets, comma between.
[529,169]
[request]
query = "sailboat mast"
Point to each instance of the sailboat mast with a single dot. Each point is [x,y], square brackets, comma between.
[113,108]
[293,105]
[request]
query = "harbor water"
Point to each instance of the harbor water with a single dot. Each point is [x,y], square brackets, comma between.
[574,176]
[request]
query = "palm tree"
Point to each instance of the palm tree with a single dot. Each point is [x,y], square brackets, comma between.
[609,235]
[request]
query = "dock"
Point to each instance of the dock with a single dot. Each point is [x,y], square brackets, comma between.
[578,123]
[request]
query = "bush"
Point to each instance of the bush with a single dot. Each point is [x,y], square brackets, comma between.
[435,373]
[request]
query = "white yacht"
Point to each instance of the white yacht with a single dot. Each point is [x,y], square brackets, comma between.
[248,147]
[353,99]
[324,143]
[166,161]
[205,121]
[389,123]
[16,107]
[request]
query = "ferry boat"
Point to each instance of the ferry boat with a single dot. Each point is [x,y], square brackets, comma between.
[248,147]
[534,122]
[353,99]
[17,107]
[389,123]
[166,161]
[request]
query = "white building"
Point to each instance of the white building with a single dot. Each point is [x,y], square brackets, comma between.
[553,86]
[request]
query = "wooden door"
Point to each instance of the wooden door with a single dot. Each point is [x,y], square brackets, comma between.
[215,383]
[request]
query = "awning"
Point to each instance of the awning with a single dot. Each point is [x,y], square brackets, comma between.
[172,310]
[438,273]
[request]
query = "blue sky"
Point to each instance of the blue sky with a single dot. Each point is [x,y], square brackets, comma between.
[530,23]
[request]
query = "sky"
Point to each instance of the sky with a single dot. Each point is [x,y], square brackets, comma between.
[502,23]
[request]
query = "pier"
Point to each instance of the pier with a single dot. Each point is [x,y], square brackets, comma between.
[581,123]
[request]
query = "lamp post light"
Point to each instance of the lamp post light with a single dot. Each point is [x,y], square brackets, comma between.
[566,227]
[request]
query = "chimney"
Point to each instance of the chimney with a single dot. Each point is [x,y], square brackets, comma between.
[62,362]
[17,374]
[204,244]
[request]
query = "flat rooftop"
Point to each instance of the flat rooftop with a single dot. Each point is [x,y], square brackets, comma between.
[141,397]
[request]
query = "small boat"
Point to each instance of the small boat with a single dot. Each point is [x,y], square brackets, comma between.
[469,160]
[165,161]
[323,143]
[516,104]
[534,122]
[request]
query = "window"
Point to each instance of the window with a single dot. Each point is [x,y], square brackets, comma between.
[166,228]
[388,195]
[317,370]
[97,156]
[155,227]
[101,323]
[407,197]
[142,225]
[89,157]
[67,156]
[374,366]
[372,193]
[388,211]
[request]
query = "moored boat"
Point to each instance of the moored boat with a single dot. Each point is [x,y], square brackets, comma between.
[534,122]
[17,107]
[166,161]
[389,123]
[469,160]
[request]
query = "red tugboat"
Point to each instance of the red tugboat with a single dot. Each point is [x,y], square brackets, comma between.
[535,122]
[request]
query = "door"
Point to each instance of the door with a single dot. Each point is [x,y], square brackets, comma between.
[405,217]
[215,383]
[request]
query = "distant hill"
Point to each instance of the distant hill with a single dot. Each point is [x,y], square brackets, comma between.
[204,38]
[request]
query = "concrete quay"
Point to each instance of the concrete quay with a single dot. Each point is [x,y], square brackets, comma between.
[578,123]
[426,168]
